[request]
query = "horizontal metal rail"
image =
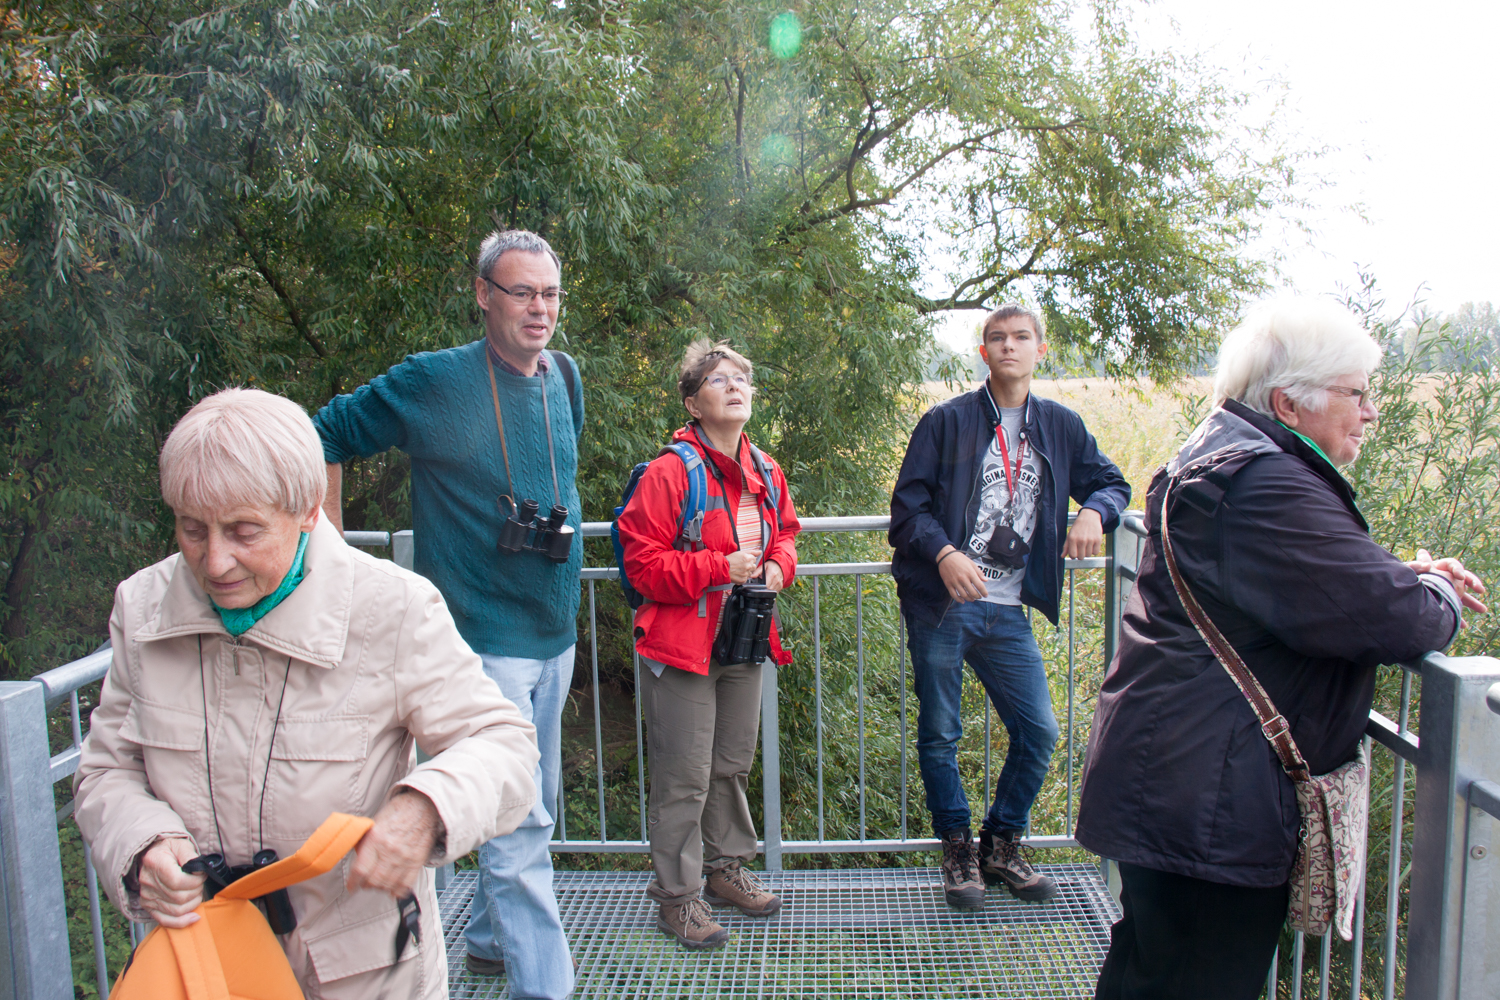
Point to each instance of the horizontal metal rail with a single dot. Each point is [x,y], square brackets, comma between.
[1444,864]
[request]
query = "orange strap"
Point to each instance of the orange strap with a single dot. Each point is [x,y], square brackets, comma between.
[320,853]
[198,961]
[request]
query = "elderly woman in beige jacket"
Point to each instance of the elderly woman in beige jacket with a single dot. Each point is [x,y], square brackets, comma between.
[268,675]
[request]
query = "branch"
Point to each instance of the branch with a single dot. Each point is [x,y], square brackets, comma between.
[856,204]
[263,265]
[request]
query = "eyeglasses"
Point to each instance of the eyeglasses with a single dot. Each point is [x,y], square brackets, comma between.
[720,381]
[1360,396]
[522,295]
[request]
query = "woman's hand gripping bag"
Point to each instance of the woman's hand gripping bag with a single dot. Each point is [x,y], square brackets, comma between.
[231,953]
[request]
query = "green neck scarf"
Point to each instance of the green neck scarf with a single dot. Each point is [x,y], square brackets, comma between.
[1311,444]
[240,620]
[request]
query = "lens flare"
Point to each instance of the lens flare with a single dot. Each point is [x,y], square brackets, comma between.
[778,151]
[786,35]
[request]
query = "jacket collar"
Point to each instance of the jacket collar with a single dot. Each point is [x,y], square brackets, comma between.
[311,625]
[727,466]
[1030,420]
[1234,428]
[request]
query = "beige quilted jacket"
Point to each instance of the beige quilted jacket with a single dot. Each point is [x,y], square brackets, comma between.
[372,666]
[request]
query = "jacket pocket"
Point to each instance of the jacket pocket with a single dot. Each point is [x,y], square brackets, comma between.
[339,738]
[163,727]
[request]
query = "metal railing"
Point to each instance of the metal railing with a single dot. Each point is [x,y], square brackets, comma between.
[1454,900]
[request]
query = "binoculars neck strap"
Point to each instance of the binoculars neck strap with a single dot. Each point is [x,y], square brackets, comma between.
[510,482]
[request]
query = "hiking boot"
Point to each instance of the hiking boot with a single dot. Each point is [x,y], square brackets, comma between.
[961,883]
[691,924]
[1001,862]
[484,966]
[735,886]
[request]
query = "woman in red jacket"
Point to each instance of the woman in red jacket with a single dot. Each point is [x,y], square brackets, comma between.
[702,715]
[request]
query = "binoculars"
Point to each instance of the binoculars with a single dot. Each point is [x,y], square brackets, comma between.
[524,532]
[220,874]
[746,635]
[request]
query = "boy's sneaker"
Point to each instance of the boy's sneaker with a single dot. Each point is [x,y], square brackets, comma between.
[691,924]
[1001,862]
[962,885]
[734,886]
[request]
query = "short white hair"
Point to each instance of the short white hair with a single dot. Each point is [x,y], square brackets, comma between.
[244,447]
[1297,345]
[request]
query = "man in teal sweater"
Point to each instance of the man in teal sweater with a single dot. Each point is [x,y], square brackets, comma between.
[488,426]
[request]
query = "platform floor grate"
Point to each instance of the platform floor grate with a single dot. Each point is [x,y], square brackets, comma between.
[860,934]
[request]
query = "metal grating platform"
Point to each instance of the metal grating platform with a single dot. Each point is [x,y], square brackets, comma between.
[862,934]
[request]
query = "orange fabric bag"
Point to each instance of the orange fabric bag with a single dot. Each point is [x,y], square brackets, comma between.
[231,954]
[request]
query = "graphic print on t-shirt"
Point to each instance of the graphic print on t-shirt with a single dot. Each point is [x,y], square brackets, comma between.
[994,507]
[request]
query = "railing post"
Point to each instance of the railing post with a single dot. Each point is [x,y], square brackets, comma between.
[770,764]
[1455,894]
[403,549]
[34,950]
[1112,591]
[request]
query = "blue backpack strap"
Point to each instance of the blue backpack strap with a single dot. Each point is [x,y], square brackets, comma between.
[690,530]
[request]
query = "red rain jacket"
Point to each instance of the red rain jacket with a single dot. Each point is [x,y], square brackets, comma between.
[668,627]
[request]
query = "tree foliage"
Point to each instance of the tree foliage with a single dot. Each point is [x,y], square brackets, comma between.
[289,195]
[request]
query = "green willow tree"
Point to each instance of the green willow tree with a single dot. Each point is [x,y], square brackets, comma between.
[289,195]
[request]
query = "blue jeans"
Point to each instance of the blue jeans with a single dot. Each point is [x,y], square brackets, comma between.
[514,915]
[996,641]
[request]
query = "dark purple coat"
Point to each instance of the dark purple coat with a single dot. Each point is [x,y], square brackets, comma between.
[1178,777]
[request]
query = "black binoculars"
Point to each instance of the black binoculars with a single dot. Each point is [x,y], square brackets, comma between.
[220,875]
[746,635]
[553,537]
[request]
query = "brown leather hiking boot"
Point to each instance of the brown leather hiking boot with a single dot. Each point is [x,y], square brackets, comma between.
[691,924]
[734,886]
[962,885]
[1001,862]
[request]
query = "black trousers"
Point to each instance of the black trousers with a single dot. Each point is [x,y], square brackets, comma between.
[1186,939]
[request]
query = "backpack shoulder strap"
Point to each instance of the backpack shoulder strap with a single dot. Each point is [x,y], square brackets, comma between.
[690,528]
[569,374]
[319,854]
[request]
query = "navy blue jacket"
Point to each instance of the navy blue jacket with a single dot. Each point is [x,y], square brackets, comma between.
[1178,776]
[930,505]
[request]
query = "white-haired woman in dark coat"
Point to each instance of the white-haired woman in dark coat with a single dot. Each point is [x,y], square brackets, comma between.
[1180,786]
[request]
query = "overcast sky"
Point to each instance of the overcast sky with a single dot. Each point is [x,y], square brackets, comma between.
[1406,97]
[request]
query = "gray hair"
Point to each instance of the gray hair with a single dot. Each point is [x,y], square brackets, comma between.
[244,447]
[501,240]
[702,357]
[1011,310]
[1297,345]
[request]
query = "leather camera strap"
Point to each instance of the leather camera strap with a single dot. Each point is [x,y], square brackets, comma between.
[1272,723]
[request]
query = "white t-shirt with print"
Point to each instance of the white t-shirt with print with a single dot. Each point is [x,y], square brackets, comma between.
[992,497]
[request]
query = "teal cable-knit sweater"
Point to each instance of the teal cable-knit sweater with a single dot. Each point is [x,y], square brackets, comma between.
[436,407]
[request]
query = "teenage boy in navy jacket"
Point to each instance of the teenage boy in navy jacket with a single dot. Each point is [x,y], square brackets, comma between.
[979,523]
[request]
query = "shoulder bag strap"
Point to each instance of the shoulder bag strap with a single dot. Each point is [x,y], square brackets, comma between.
[1272,724]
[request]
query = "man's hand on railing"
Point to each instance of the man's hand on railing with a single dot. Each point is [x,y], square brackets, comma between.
[961,576]
[1463,581]
[1086,537]
[168,893]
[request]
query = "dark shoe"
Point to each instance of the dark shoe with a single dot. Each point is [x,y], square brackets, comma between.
[691,924]
[961,883]
[484,966]
[734,886]
[1002,862]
